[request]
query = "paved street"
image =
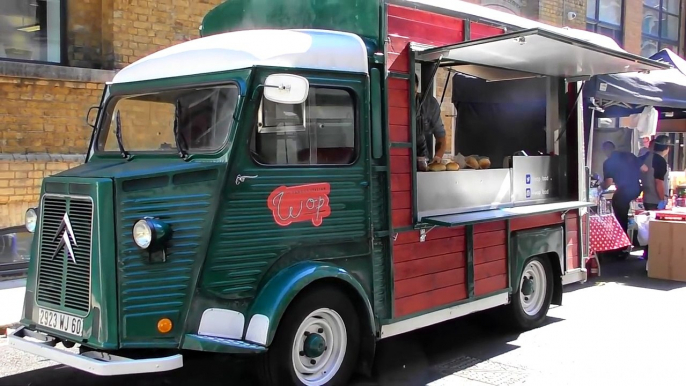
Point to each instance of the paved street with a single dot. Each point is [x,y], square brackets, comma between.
[11,301]
[622,330]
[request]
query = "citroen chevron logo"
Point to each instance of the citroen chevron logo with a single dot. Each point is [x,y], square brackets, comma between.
[68,237]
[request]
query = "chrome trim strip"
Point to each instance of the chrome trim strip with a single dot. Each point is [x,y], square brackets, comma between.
[94,362]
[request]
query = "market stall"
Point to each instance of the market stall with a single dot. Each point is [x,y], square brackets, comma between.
[647,96]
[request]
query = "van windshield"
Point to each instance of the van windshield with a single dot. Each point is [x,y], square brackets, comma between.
[191,121]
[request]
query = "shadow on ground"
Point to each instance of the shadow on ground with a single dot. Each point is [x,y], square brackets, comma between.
[630,272]
[407,360]
[422,357]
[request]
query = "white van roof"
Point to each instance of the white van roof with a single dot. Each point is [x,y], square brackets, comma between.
[309,49]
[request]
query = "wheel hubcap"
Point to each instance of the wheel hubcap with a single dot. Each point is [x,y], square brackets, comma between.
[315,345]
[319,347]
[533,288]
[527,286]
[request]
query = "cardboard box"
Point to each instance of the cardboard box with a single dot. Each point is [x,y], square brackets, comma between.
[667,250]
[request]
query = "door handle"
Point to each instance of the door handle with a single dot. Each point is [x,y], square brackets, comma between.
[240,179]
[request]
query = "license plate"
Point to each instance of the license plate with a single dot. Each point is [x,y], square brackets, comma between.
[61,322]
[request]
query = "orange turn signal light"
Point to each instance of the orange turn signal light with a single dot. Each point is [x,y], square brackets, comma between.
[164,325]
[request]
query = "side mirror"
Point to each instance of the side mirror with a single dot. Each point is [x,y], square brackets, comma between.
[88,116]
[286,89]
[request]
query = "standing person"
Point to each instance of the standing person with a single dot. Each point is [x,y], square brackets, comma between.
[622,169]
[656,178]
[645,146]
[429,123]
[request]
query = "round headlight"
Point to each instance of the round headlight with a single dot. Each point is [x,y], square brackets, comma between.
[142,234]
[30,220]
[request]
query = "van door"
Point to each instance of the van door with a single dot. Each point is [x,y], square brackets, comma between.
[297,189]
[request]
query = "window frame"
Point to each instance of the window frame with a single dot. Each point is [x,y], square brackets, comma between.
[357,108]
[63,46]
[595,22]
[107,115]
[662,41]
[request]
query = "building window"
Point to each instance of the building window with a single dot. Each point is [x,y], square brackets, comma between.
[660,26]
[605,17]
[321,131]
[31,30]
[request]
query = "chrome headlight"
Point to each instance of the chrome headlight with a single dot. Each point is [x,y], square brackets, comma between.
[30,219]
[142,233]
[151,234]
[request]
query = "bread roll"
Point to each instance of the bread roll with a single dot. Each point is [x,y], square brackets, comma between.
[485,163]
[459,159]
[436,167]
[452,166]
[472,162]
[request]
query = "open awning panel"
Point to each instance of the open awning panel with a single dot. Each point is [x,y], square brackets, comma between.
[538,51]
[460,219]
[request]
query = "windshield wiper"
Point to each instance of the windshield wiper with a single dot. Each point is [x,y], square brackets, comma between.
[120,141]
[177,133]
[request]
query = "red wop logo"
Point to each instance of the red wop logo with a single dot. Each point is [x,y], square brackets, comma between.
[300,203]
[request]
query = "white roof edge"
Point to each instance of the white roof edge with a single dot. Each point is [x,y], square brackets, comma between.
[518,21]
[292,48]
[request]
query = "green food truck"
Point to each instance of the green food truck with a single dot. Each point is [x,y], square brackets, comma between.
[260,191]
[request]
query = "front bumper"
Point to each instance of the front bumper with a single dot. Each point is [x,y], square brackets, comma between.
[94,362]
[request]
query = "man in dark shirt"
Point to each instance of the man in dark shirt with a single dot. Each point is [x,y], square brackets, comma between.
[624,170]
[655,189]
[429,123]
[655,176]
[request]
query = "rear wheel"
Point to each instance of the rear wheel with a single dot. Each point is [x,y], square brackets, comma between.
[530,303]
[317,342]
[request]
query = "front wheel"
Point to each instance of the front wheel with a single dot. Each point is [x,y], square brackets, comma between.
[317,342]
[531,301]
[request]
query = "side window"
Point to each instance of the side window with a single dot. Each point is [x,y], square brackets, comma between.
[321,131]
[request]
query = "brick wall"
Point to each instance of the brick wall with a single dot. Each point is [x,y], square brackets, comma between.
[550,11]
[45,116]
[84,33]
[447,108]
[555,12]
[20,182]
[633,17]
[110,34]
[42,111]
[141,27]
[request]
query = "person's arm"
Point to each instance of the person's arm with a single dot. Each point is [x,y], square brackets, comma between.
[438,130]
[660,168]
[641,161]
[607,175]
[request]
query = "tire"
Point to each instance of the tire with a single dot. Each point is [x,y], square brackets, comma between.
[529,312]
[327,329]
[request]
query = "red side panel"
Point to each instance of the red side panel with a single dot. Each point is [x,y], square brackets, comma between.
[490,257]
[407,24]
[429,274]
[401,158]
[572,237]
[479,31]
[530,222]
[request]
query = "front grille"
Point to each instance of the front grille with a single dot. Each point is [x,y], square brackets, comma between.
[63,278]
